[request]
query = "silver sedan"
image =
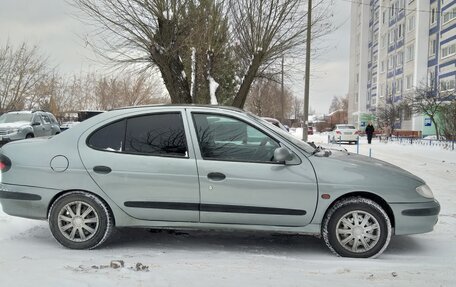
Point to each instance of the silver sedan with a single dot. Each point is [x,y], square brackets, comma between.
[208,167]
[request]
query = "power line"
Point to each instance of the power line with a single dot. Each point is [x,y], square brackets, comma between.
[389,7]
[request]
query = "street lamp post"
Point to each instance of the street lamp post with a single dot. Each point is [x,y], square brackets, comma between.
[307,75]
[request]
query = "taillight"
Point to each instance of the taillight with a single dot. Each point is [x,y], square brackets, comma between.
[5,163]
[338,132]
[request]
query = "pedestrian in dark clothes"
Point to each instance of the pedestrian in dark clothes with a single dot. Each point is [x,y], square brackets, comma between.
[369,132]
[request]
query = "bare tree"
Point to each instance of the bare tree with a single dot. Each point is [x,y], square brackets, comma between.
[447,123]
[389,114]
[265,100]
[234,43]
[429,99]
[126,90]
[339,103]
[266,30]
[21,69]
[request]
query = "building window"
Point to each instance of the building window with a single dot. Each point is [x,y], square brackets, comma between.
[447,84]
[391,37]
[390,62]
[411,23]
[432,47]
[409,82]
[448,50]
[382,66]
[433,16]
[400,31]
[399,59]
[409,52]
[431,78]
[398,86]
[449,15]
[407,113]
[392,10]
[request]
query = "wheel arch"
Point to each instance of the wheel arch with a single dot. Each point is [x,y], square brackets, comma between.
[63,192]
[368,195]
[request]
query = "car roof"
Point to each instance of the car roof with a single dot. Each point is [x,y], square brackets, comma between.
[20,112]
[181,106]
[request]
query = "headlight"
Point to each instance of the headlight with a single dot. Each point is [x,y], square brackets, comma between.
[425,191]
[12,131]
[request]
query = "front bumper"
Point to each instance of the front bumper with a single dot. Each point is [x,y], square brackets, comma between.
[414,218]
[11,137]
[26,201]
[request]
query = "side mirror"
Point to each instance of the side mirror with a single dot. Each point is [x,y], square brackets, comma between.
[282,154]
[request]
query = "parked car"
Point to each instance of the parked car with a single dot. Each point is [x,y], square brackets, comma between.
[345,133]
[208,167]
[27,124]
[277,123]
[55,127]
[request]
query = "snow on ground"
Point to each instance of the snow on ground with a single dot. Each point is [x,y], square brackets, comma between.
[29,256]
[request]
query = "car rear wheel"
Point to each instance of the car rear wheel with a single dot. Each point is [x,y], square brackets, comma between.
[357,227]
[80,220]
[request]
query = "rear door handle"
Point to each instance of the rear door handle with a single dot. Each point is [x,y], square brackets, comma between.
[216,176]
[101,169]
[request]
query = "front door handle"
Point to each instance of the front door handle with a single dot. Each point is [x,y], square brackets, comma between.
[101,169]
[216,176]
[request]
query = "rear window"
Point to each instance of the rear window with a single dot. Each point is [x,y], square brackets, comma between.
[346,127]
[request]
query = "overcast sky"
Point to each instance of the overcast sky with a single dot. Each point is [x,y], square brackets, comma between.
[50,25]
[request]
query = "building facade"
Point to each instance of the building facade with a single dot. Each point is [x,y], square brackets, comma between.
[396,46]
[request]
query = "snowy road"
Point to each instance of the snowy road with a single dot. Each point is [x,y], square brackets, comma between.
[29,256]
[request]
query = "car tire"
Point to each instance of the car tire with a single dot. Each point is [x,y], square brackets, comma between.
[80,220]
[29,136]
[368,237]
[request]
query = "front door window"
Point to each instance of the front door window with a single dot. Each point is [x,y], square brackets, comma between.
[229,139]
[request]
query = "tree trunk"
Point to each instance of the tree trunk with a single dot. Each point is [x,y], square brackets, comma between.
[164,53]
[241,96]
[437,135]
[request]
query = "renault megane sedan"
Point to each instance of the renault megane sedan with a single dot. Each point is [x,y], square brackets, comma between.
[207,167]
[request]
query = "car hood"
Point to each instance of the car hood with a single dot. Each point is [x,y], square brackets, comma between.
[362,172]
[14,125]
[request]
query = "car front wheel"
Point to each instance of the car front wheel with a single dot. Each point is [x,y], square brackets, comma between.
[357,227]
[80,220]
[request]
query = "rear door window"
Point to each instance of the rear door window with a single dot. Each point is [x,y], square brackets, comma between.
[159,134]
[154,134]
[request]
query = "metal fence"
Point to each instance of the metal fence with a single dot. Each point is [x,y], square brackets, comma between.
[449,145]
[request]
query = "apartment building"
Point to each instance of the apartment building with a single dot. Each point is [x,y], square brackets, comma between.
[397,45]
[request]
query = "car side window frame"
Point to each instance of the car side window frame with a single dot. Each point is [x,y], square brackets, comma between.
[46,120]
[123,151]
[193,113]
[37,119]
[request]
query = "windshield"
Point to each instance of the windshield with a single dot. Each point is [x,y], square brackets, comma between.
[15,117]
[303,145]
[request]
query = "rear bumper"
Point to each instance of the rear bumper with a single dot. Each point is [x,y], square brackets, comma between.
[26,201]
[413,218]
[346,138]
